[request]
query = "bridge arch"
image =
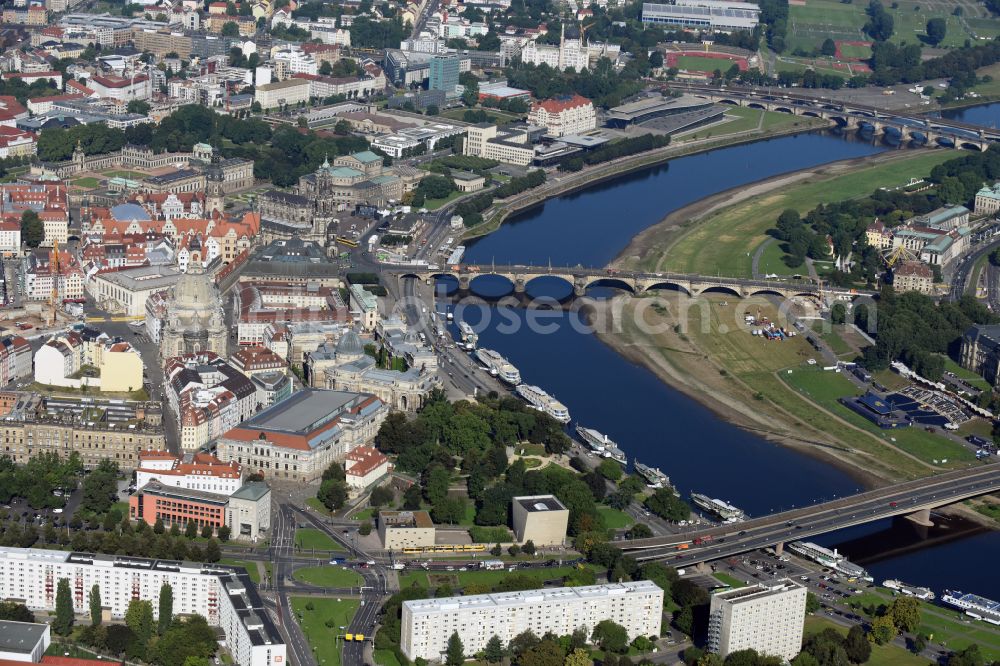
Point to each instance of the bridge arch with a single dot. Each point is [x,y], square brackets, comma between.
[814,114]
[766,291]
[727,100]
[756,105]
[968,145]
[720,289]
[668,286]
[562,279]
[784,109]
[613,282]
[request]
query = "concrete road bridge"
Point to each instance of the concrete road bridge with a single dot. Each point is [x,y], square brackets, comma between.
[930,131]
[913,499]
[581,279]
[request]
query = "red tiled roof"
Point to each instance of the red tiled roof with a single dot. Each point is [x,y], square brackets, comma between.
[560,104]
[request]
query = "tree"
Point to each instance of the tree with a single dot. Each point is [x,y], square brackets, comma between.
[191,529]
[166,609]
[494,652]
[937,28]
[158,526]
[905,614]
[455,655]
[432,110]
[139,618]
[381,496]
[224,533]
[230,29]
[970,656]
[812,602]
[610,636]
[578,657]
[610,469]
[332,494]
[32,230]
[95,605]
[412,498]
[829,47]
[365,528]
[858,649]
[838,313]
[529,547]
[206,531]
[212,551]
[63,622]
[667,505]
[138,106]
[882,631]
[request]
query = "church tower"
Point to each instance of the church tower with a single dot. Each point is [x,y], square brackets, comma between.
[215,194]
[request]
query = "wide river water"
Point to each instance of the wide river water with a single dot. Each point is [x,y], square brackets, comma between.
[654,422]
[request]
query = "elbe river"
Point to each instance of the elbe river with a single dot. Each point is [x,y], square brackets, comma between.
[660,426]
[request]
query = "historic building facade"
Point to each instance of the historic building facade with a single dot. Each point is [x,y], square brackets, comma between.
[194,321]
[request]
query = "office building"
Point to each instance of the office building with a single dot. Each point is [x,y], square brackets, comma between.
[767,618]
[541,519]
[405,529]
[222,595]
[509,145]
[197,471]
[567,114]
[125,292]
[282,93]
[427,624]
[444,72]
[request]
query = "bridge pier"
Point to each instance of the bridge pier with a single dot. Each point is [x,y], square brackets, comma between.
[779,548]
[922,518]
[519,286]
[463,282]
[580,288]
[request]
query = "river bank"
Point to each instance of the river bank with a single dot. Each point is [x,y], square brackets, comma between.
[569,182]
[657,247]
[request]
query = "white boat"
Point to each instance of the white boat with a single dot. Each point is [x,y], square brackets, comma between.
[974,605]
[829,558]
[543,402]
[601,443]
[653,476]
[909,590]
[724,510]
[469,336]
[498,366]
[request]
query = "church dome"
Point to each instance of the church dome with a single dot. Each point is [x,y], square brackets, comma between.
[350,345]
[195,291]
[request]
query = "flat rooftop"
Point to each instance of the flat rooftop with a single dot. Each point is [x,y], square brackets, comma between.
[405,519]
[20,637]
[537,503]
[530,597]
[754,592]
[302,412]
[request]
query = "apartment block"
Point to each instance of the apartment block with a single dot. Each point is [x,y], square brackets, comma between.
[767,618]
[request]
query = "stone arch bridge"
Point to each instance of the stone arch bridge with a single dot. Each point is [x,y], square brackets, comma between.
[581,279]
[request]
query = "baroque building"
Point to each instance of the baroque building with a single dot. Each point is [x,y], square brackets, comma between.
[194,318]
[352,180]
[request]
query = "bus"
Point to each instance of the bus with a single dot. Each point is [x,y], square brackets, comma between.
[493,565]
[347,241]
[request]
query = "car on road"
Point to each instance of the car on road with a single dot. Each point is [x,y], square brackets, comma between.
[893,505]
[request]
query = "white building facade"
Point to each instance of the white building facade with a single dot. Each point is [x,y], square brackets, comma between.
[227,600]
[766,618]
[427,624]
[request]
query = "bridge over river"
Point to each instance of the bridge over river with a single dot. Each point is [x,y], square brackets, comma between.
[914,499]
[912,127]
[636,282]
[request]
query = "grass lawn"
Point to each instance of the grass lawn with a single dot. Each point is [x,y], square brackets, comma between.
[460,579]
[742,119]
[968,376]
[813,22]
[852,51]
[317,505]
[726,579]
[614,519]
[772,261]
[365,514]
[313,539]
[724,241]
[251,567]
[131,175]
[703,64]
[88,182]
[313,622]
[825,388]
[434,204]
[386,658]
[882,655]
[329,576]
[795,65]
[832,337]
